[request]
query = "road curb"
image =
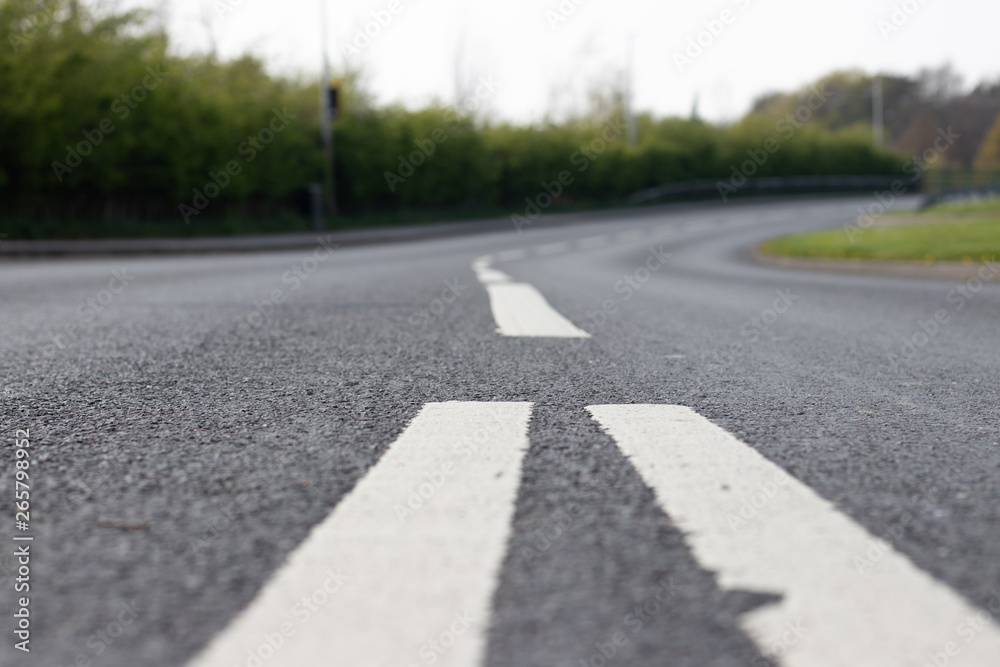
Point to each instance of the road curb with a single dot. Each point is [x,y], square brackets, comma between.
[250,243]
[955,271]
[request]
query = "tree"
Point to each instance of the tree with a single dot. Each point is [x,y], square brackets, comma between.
[988,155]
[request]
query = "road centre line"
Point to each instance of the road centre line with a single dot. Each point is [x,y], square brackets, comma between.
[552,248]
[592,242]
[419,540]
[511,255]
[630,236]
[519,309]
[762,530]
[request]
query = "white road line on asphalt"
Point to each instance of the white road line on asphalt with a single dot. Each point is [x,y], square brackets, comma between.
[630,236]
[592,242]
[552,248]
[411,579]
[511,255]
[486,274]
[760,529]
[521,310]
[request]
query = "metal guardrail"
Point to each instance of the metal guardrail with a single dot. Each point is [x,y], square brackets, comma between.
[775,185]
[957,194]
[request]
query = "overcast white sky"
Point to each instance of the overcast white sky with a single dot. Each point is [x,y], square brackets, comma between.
[768,45]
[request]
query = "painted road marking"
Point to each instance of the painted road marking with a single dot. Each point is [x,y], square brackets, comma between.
[552,248]
[486,274]
[416,546]
[630,236]
[511,255]
[848,598]
[521,310]
[592,242]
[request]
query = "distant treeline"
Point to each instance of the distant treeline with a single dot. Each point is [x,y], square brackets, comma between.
[98,121]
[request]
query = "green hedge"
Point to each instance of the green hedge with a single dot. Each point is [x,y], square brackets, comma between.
[159,132]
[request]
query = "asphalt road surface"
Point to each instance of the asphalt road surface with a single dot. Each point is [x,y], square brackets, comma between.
[610,441]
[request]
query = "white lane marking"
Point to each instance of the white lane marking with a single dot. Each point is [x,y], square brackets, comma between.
[411,578]
[592,242]
[552,248]
[486,274]
[511,255]
[520,310]
[791,542]
[630,236]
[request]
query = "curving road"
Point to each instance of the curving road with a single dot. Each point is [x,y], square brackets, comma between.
[609,440]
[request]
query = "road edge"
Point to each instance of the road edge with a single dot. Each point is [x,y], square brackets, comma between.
[899,269]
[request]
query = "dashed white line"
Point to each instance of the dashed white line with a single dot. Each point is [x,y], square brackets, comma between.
[552,248]
[592,242]
[521,310]
[511,255]
[418,543]
[853,599]
[486,274]
[630,236]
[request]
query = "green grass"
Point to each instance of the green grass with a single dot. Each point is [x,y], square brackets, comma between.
[968,232]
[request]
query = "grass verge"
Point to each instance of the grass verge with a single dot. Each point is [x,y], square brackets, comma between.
[947,233]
